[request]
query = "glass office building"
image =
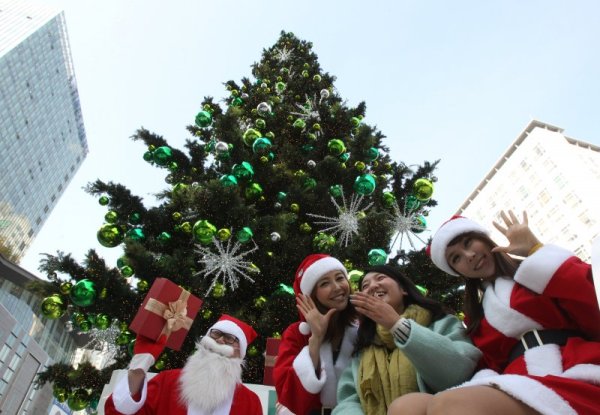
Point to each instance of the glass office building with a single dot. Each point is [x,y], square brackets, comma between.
[28,343]
[42,135]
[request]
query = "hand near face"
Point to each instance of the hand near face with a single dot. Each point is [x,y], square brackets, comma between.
[520,237]
[318,322]
[375,308]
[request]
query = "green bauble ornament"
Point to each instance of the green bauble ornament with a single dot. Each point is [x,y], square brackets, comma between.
[228,180]
[355,121]
[111,216]
[204,231]
[299,124]
[164,237]
[309,184]
[142,286]
[419,225]
[283,289]
[280,87]
[281,196]
[253,191]
[305,74]
[83,293]
[263,108]
[85,325]
[162,155]
[336,190]
[295,207]
[176,216]
[160,364]
[360,165]
[203,119]
[179,187]
[60,393]
[250,135]
[252,351]
[65,288]
[307,148]
[364,184]
[134,218]
[148,156]
[344,157]
[377,257]
[336,147]
[244,235]
[109,235]
[126,271]
[323,242]
[260,123]
[372,154]
[123,338]
[423,189]
[260,302]
[102,321]
[388,199]
[317,78]
[207,314]
[53,307]
[261,145]
[237,102]
[122,261]
[103,200]
[423,290]
[135,234]
[305,228]
[223,234]
[173,166]
[411,203]
[186,227]
[218,290]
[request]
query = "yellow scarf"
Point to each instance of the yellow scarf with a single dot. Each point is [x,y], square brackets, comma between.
[384,372]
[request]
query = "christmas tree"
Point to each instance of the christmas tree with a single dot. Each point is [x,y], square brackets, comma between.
[282,169]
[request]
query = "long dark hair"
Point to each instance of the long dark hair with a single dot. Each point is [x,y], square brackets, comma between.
[506,266]
[339,321]
[367,327]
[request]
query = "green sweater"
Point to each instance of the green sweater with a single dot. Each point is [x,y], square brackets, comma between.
[442,355]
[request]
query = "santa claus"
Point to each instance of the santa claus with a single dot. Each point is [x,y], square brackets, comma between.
[209,383]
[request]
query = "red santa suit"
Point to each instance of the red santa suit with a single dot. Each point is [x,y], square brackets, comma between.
[552,289]
[161,396]
[298,386]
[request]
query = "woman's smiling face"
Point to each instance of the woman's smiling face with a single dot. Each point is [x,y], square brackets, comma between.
[333,290]
[385,288]
[471,257]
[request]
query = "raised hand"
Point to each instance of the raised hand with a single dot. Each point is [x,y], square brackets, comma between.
[520,238]
[144,344]
[375,308]
[318,322]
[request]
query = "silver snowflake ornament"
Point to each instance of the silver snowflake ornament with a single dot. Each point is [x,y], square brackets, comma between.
[283,55]
[227,264]
[308,110]
[406,224]
[346,223]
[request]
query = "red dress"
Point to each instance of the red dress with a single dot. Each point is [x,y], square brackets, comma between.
[552,289]
[163,398]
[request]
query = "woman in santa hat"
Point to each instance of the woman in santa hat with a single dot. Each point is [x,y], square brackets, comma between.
[315,350]
[406,343]
[536,320]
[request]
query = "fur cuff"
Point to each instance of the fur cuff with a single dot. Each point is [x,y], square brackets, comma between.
[142,361]
[122,399]
[305,370]
[536,271]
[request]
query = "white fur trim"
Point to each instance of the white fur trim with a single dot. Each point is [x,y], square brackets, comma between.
[596,266]
[316,270]
[446,233]
[142,361]
[122,399]
[304,328]
[333,372]
[496,306]
[305,370]
[585,372]
[544,360]
[229,327]
[536,271]
[484,373]
[529,391]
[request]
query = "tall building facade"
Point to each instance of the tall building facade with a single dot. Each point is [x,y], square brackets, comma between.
[41,126]
[554,178]
[28,343]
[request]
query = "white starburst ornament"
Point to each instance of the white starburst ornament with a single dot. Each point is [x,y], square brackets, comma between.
[283,54]
[227,264]
[346,223]
[407,224]
[308,110]
[104,340]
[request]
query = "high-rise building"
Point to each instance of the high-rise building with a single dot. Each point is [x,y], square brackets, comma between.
[28,342]
[42,135]
[554,178]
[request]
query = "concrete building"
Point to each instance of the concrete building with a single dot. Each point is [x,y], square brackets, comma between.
[41,126]
[555,178]
[29,342]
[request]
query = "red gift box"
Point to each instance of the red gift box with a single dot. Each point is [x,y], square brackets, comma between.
[270,358]
[167,309]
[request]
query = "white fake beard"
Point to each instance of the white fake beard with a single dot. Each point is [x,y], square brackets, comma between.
[210,376]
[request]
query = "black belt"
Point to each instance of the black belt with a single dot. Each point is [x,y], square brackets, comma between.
[536,338]
[322,411]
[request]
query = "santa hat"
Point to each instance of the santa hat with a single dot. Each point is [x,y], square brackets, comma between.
[231,325]
[455,226]
[311,269]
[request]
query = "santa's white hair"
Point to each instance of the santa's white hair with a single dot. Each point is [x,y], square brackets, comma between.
[210,375]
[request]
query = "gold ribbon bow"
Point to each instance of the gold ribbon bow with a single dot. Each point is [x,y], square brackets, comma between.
[175,313]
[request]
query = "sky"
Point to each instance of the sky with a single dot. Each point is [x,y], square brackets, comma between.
[451,81]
